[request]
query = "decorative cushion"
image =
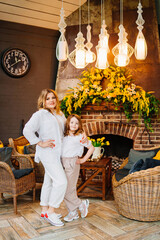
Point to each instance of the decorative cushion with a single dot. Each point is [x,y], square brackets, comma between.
[1,144]
[5,156]
[121,173]
[22,172]
[157,157]
[137,166]
[135,155]
[30,149]
[150,163]
[20,149]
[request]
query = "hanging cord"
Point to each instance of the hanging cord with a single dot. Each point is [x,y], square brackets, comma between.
[62,3]
[88,12]
[79,15]
[101,11]
[121,12]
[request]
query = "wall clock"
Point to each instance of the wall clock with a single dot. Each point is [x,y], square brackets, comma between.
[15,62]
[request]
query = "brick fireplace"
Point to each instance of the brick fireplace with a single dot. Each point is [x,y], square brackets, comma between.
[99,120]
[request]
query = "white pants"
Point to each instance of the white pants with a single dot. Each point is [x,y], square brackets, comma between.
[54,184]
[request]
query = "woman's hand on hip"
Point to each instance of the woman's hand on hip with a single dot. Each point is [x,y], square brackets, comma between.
[48,143]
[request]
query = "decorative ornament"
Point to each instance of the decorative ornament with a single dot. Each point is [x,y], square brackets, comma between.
[62,46]
[122,51]
[140,45]
[102,47]
[78,56]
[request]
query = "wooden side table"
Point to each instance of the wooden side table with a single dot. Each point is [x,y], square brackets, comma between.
[102,166]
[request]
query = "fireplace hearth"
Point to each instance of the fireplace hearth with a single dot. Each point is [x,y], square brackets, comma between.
[118,149]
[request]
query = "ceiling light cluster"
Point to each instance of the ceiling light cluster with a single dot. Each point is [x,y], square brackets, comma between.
[82,55]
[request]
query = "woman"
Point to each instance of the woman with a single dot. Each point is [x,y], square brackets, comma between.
[49,122]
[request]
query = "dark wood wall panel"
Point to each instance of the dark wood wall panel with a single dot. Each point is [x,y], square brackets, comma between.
[18,97]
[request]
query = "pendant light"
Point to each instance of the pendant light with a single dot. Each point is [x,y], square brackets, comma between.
[122,51]
[140,45]
[62,46]
[102,47]
[78,56]
[90,56]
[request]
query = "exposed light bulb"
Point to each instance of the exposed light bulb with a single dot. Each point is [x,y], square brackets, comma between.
[102,48]
[62,49]
[121,60]
[102,61]
[140,47]
[80,58]
[90,56]
[122,51]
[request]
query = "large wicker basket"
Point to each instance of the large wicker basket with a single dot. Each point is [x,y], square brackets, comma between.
[137,195]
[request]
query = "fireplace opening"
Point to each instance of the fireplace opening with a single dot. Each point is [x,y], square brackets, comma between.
[118,149]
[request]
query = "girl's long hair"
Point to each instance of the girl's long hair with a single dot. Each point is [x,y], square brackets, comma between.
[67,129]
[42,100]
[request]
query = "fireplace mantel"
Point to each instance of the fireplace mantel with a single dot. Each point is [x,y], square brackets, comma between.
[103,106]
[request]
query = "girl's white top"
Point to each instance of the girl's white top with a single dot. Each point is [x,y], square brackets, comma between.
[72,147]
[48,126]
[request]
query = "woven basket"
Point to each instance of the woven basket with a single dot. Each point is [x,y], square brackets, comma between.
[137,195]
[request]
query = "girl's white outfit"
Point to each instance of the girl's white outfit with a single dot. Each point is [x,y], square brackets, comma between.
[49,127]
[72,148]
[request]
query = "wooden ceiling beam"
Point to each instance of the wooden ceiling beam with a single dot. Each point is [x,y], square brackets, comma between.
[40,13]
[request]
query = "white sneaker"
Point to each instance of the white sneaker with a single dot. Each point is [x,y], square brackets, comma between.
[71,216]
[84,208]
[53,219]
[44,215]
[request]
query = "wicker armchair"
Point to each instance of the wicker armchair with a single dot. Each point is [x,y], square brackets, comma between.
[137,195]
[21,141]
[15,187]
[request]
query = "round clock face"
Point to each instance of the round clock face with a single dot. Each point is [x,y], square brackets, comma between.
[15,62]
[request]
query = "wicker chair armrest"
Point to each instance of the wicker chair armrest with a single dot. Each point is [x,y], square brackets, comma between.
[25,161]
[124,163]
[137,175]
[6,169]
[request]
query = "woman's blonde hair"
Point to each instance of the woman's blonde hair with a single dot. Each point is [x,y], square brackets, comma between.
[67,129]
[42,100]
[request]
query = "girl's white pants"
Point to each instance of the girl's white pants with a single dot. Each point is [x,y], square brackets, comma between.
[72,173]
[54,184]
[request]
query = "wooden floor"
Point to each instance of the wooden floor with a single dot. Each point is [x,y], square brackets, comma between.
[103,222]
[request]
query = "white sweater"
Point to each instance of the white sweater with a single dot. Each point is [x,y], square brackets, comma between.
[48,126]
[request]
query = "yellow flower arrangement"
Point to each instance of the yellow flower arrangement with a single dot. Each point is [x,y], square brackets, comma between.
[121,91]
[99,142]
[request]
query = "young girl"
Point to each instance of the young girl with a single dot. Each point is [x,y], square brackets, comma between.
[72,150]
